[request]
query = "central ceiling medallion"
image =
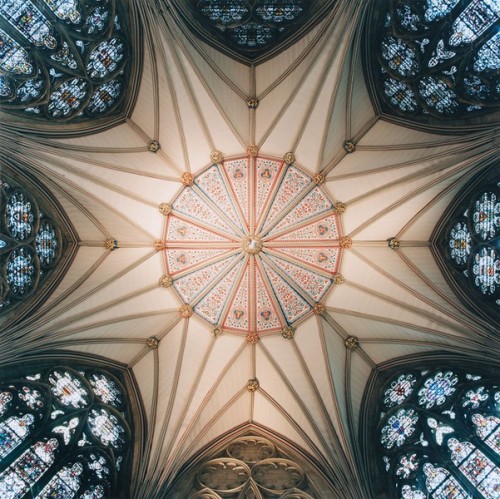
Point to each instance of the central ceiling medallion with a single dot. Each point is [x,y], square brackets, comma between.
[253,245]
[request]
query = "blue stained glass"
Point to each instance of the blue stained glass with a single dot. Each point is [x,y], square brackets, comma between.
[399,427]
[97,20]
[486,270]
[13,431]
[252,35]
[46,243]
[488,429]
[20,215]
[442,484]
[106,389]
[399,56]
[105,97]
[476,88]
[13,58]
[21,271]
[93,492]
[65,57]
[399,390]
[474,398]
[475,19]
[437,9]
[105,58]
[224,11]
[30,90]
[400,95]
[68,98]
[437,389]
[279,10]
[407,16]
[64,485]
[488,56]
[438,95]
[5,402]
[486,216]
[29,21]
[460,243]
[65,9]
[6,87]
[107,428]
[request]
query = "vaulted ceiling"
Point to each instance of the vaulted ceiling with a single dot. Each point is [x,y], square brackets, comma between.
[395,182]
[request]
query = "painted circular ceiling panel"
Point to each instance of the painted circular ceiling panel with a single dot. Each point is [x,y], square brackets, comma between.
[252,244]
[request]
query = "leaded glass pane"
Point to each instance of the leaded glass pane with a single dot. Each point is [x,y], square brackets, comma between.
[81,52]
[56,440]
[441,437]
[29,244]
[437,57]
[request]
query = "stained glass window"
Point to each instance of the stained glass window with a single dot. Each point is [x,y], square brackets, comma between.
[437,58]
[63,59]
[473,244]
[438,434]
[63,433]
[30,244]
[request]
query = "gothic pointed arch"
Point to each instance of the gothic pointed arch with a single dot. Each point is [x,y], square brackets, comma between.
[37,241]
[251,461]
[429,427]
[433,64]
[251,31]
[70,426]
[466,244]
[68,67]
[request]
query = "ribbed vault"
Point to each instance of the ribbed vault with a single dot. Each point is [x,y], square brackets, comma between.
[395,182]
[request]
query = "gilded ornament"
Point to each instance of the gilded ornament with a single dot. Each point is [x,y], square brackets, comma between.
[252,384]
[160,245]
[252,151]
[186,311]
[216,157]
[252,245]
[153,146]
[165,209]
[187,178]
[351,343]
[338,279]
[111,244]
[349,146]
[319,178]
[252,338]
[253,103]
[289,158]
[165,281]
[340,207]
[287,332]
[393,243]
[319,309]
[152,342]
[345,242]
[216,331]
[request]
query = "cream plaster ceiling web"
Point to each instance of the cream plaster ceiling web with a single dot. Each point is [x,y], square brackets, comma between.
[394,181]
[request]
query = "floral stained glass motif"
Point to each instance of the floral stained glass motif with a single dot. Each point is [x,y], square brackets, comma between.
[399,390]
[455,415]
[29,244]
[399,427]
[438,58]
[290,234]
[85,50]
[436,389]
[460,243]
[56,435]
[486,216]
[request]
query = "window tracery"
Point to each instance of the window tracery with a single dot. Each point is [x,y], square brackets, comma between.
[436,58]
[30,244]
[438,434]
[63,60]
[63,433]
